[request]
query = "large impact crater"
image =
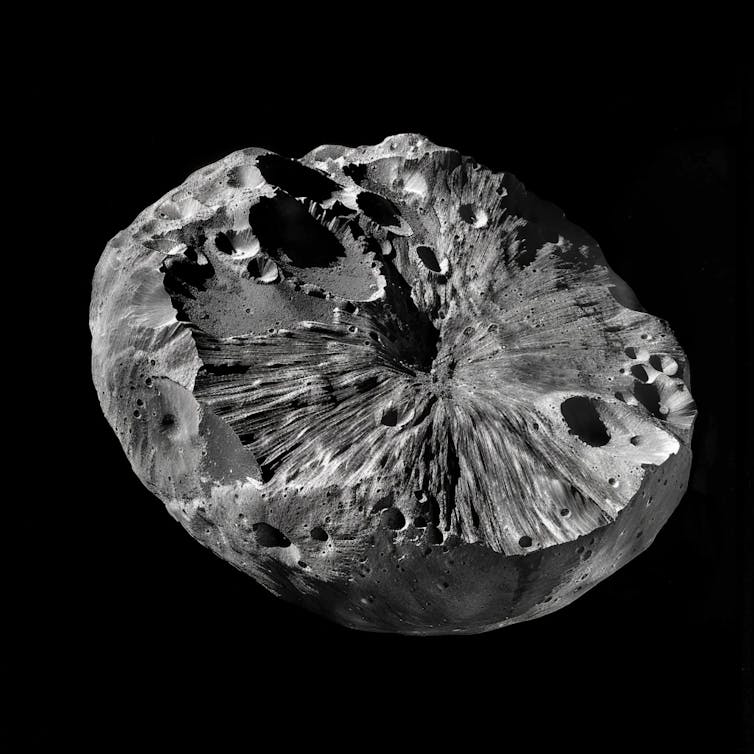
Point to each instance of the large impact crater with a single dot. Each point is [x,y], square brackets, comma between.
[390,385]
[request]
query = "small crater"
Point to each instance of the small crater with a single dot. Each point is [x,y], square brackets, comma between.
[428,258]
[263,270]
[319,534]
[382,505]
[433,535]
[269,536]
[389,417]
[377,208]
[640,373]
[476,217]
[525,541]
[466,211]
[656,362]
[583,421]
[223,244]
[393,519]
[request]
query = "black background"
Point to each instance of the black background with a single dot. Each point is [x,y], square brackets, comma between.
[135,622]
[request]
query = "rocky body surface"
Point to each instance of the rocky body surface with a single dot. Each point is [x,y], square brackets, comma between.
[390,385]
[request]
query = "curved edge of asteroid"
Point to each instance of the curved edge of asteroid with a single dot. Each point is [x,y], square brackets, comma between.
[390,385]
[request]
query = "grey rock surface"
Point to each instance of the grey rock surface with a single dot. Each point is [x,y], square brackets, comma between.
[390,385]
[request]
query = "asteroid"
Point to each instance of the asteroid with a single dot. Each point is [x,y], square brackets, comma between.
[390,385]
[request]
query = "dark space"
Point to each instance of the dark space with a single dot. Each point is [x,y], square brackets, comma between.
[138,622]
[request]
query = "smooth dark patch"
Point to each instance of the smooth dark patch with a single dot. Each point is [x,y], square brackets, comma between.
[623,294]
